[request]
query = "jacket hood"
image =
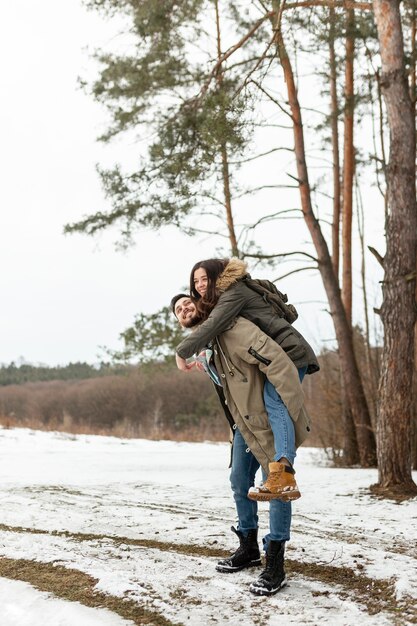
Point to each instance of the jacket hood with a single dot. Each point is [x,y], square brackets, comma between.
[234,271]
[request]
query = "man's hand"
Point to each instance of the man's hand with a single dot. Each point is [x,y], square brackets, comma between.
[183,365]
[198,364]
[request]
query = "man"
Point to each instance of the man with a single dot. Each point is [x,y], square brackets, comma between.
[242,356]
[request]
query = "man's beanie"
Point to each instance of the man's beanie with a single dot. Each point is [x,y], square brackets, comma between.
[176,298]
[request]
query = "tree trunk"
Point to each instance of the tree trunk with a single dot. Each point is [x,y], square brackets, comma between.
[413,85]
[349,368]
[348,166]
[334,118]
[350,445]
[224,156]
[372,369]
[398,310]
[350,441]
[414,445]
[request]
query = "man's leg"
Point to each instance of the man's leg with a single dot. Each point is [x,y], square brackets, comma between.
[273,578]
[279,522]
[242,477]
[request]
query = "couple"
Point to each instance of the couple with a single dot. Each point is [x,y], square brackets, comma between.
[257,361]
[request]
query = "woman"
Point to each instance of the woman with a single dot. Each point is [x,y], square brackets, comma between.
[219,288]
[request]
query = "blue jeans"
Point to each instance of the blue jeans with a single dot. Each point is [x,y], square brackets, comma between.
[281,423]
[242,477]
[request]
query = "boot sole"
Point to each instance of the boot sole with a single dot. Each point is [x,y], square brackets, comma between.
[230,570]
[263,591]
[267,496]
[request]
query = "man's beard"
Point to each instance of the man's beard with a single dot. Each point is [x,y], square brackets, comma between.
[191,322]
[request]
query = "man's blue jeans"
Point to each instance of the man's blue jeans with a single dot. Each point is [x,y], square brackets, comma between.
[242,477]
[281,423]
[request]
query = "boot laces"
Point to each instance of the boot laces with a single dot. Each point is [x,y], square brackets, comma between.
[244,543]
[270,564]
[239,551]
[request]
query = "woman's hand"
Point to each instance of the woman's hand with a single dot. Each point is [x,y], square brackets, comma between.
[183,365]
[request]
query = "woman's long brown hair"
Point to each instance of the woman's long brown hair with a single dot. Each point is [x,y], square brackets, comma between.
[213,267]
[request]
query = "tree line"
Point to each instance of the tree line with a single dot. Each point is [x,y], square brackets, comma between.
[17,374]
[211,81]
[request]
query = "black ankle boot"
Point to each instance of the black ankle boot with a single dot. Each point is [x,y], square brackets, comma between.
[272,578]
[247,554]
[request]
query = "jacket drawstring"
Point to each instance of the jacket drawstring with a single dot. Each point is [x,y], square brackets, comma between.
[229,367]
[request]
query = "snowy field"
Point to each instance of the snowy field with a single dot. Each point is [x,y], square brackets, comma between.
[146,522]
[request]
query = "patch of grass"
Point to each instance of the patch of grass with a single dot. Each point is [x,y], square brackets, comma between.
[76,586]
[375,594]
[198,579]
[165,546]
[183,597]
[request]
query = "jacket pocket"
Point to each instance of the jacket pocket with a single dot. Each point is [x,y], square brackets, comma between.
[257,422]
[259,357]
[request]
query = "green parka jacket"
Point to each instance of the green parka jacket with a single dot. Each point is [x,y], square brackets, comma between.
[236,298]
[243,356]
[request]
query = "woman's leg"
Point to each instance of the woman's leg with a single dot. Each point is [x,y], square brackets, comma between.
[281,423]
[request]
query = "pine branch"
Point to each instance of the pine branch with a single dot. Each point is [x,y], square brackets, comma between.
[376,254]
[247,80]
[270,218]
[300,269]
[344,4]
[258,156]
[231,51]
[281,255]
[261,187]
[268,95]
[190,230]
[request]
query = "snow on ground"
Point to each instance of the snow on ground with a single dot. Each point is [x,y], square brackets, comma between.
[179,493]
[22,605]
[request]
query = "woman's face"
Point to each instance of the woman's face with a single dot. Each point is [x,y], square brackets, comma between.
[200,281]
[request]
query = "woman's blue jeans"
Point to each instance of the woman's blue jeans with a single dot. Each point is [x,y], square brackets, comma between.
[281,423]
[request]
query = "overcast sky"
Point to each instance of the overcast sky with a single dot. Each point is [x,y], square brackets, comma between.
[64,296]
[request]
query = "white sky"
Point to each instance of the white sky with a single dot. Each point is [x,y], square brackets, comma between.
[64,296]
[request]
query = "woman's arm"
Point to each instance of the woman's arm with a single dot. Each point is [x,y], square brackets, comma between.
[230,303]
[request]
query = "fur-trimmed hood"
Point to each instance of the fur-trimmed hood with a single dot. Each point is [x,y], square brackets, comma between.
[234,271]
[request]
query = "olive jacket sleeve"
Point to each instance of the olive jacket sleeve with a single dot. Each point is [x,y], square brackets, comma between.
[228,307]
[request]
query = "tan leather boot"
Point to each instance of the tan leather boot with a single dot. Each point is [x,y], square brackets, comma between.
[280,485]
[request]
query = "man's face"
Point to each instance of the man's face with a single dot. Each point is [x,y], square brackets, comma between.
[186,313]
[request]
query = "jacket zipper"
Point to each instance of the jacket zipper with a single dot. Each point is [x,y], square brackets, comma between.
[259,357]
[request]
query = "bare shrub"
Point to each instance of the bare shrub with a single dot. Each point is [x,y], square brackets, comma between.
[155,403]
